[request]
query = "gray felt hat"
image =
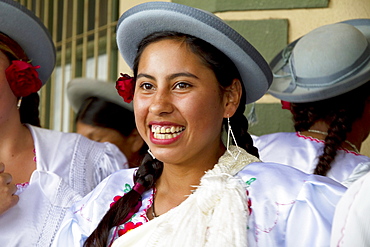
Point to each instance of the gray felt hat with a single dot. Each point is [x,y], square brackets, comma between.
[147,18]
[24,27]
[80,89]
[328,61]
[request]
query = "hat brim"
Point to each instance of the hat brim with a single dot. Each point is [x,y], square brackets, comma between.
[302,94]
[147,18]
[79,89]
[24,27]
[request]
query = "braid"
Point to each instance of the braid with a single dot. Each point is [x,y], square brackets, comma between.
[337,134]
[146,175]
[339,113]
[304,116]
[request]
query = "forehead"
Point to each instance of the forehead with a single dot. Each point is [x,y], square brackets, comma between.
[171,53]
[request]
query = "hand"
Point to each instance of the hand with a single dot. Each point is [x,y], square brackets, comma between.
[7,190]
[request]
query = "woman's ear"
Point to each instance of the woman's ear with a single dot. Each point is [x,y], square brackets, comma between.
[233,94]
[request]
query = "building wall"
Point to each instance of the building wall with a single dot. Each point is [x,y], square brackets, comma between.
[290,19]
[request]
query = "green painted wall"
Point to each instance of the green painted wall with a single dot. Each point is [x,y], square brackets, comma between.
[270,118]
[230,5]
[268,36]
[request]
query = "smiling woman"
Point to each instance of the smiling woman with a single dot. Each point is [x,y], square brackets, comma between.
[193,76]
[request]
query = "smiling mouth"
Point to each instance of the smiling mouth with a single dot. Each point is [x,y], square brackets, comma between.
[166,132]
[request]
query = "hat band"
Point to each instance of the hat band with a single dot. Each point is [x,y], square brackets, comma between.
[324,81]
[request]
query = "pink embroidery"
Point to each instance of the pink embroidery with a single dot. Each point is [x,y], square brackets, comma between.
[22,187]
[322,142]
[269,229]
[34,158]
[81,213]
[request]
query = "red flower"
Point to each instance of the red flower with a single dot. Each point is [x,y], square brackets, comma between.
[23,78]
[285,105]
[126,87]
[128,227]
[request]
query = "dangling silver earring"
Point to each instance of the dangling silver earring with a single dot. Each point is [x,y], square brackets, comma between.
[151,154]
[230,133]
[19,103]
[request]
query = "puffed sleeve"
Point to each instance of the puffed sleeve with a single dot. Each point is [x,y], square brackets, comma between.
[109,162]
[289,207]
[84,216]
[351,224]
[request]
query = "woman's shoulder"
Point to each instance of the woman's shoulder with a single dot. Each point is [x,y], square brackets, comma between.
[283,199]
[283,177]
[116,184]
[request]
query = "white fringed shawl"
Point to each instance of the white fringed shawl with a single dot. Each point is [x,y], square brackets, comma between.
[216,214]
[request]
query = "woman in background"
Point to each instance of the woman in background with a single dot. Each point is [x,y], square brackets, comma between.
[324,80]
[103,116]
[50,170]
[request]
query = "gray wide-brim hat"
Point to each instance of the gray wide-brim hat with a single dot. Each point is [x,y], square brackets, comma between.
[329,61]
[79,89]
[147,18]
[24,27]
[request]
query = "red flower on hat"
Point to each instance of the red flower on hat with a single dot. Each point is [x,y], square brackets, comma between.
[126,87]
[23,78]
[285,105]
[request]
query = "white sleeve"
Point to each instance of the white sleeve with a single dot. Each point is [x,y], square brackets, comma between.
[351,224]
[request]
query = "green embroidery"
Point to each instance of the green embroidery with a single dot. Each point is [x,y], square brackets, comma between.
[127,188]
[250,181]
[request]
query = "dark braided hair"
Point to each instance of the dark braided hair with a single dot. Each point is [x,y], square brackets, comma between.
[29,110]
[150,170]
[339,113]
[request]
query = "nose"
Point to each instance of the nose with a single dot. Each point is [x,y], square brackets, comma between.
[162,103]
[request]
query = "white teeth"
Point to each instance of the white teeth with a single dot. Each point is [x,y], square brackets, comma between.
[168,132]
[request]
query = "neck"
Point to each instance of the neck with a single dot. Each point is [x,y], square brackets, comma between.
[178,180]
[320,130]
[14,138]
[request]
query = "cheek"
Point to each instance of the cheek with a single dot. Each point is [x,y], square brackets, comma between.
[140,112]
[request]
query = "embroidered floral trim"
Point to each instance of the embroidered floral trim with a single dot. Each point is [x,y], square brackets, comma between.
[322,142]
[126,87]
[128,227]
[23,78]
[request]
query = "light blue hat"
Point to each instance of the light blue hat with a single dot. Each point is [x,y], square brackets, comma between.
[79,89]
[327,62]
[24,27]
[147,18]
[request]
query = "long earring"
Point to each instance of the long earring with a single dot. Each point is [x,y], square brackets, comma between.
[151,154]
[231,133]
[19,103]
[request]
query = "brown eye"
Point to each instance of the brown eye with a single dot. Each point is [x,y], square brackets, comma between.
[182,85]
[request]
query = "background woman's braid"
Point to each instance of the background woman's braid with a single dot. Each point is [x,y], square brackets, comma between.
[337,134]
[147,174]
[339,113]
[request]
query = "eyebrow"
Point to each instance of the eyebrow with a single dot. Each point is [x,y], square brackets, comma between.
[171,77]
